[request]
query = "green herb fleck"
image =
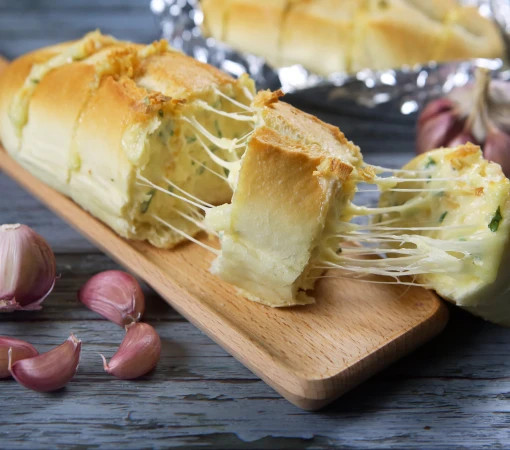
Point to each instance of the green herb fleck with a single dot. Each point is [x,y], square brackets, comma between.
[339,250]
[201,170]
[430,162]
[160,134]
[147,100]
[145,204]
[218,131]
[171,131]
[35,80]
[170,188]
[190,139]
[227,172]
[213,148]
[429,179]
[192,162]
[462,239]
[112,180]
[217,104]
[439,194]
[161,113]
[442,216]
[494,223]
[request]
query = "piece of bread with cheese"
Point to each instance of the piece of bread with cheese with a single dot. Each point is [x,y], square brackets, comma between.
[107,123]
[327,36]
[294,177]
[458,227]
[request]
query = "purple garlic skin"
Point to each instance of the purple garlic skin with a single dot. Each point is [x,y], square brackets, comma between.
[20,350]
[497,149]
[477,113]
[138,353]
[114,294]
[50,371]
[27,268]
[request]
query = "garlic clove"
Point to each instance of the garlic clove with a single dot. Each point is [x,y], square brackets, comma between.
[50,371]
[20,350]
[434,108]
[462,138]
[497,149]
[138,353]
[434,132]
[115,295]
[27,268]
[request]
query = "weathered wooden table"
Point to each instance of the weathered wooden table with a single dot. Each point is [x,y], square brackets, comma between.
[455,391]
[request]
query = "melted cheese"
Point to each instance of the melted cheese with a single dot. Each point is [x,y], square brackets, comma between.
[462,221]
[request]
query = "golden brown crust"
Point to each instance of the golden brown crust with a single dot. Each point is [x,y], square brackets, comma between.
[318,138]
[179,76]
[270,157]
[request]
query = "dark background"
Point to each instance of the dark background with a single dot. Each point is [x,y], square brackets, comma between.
[454,391]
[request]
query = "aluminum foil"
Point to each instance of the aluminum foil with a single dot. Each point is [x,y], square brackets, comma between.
[405,89]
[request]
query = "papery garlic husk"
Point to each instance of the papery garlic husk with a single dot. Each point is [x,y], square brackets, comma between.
[478,113]
[50,371]
[27,268]
[20,350]
[115,295]
[138,353]
[497,149]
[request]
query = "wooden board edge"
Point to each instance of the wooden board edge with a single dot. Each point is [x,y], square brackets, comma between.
[3,64]
[368,366]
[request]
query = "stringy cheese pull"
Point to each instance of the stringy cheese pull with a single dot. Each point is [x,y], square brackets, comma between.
[292,177]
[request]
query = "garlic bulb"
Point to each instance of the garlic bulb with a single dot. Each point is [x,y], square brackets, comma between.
[478,113]
[19,350]
[115,295]
[27,268]
[138,353]
[50,371]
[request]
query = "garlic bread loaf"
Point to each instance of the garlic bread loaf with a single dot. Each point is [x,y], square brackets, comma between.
[295,175]
[108,123]
[327,36]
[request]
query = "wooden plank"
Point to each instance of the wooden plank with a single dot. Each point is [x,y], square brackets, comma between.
[310,355]
[200,396]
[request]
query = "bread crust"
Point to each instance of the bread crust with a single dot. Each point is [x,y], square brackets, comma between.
[340,156]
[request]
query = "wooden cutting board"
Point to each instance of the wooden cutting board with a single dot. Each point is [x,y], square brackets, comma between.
[311,355]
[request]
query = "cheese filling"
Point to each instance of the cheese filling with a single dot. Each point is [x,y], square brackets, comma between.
[447,230]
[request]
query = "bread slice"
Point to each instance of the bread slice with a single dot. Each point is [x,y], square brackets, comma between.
[293,178]
[458,228]
[109,128]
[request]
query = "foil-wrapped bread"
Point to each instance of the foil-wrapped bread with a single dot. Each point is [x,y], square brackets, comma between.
[107,123]
[327,36]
